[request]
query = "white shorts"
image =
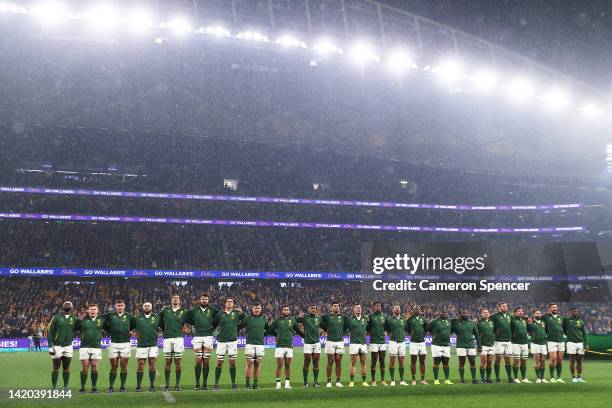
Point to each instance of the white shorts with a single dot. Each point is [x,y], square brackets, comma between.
[418,349]
[358,349]
[62,351]
[120,350]
[575,348]
[462,352]
[538,349]
[230,349]
[503,348]
[203,345]
[174,346]
[397,348]
[90,353]
[254,351]
[283,352]
[375,347]
[314,348]
[487,350]
[520,351]
[334,347]
[553,346]
[440,351]
[147,352]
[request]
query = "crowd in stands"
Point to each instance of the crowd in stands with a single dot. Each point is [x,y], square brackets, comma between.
[27,303]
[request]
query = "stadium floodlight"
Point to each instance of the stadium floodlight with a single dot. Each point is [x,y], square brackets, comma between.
[6,7]
[140,21]
[326,47]
[217,31]
[400,61]
[362,53]
[253,36]
[556,99]
[520,89]
[49,12]
[484,80]
[289,41]
[449,70]
[591,110]
[102,16]
[179,26]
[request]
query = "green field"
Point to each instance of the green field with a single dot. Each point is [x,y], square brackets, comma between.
[32,371]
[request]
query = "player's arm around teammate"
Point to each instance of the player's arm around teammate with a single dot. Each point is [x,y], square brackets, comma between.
[227,321]
[577,343]
[333,324]
[417,327]
[556,342]
[503,341]
[537,327]
[284,329]
[117,324]
[520,351]
[201,318]
[467,335]
[396,327]
[172,322]
[378,343]
[256,325]
[486,334]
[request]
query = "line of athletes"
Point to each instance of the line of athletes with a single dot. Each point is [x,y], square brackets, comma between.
[502,334]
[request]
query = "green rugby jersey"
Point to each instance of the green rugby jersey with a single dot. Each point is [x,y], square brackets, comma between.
[90,331]
[333,324]
[519,330]
[554,327]
[146,328]
[440,330]
[501,324]
[118,326]
[574,330]
[416,326]
[538,332]
[396,327]
[486,332]
[283,329]
[227,323]
[256,328]
[356,328]
[202,320]
[376,327]
[312,328]
[172,322]
[467,333]
[61,330]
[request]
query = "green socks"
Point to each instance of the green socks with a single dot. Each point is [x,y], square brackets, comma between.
[94,379]
[233,374]
[111,379]
[473,372]
[198,373]
[559,367]
[305,374]
[461,373]
[509,371]
[315,373]
[139,375]
[177,376]
[436,371]
[392,373]
[167,376]
[446,372]
[66,377]
[497,368]
[482,374]
[54,376]
[523,371]
[123,377]
[401,373]
[217,375]
[205,371]
[515,370]
[552,371]
[152,378]
[83,379]
[373,374]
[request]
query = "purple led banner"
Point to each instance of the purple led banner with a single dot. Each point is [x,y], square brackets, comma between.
[281,200]
[278,224]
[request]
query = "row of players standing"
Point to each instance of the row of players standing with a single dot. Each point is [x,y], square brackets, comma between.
[493,337]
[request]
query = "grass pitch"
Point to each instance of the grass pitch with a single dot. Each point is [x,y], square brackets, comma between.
[32,371]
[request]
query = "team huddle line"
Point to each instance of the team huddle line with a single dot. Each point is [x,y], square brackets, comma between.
[506,335]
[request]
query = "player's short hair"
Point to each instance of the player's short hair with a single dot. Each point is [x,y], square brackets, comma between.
[376,303]
[517,308]
[551,305]
[335,303]
[501,303]
[256,304]
[119,301]
[357,304]
[573,308]
[93,305]
[285,306]
[204,295]
[482,309]
[175,295]
[228,298]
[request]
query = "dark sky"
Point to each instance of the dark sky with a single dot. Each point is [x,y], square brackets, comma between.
[573,36]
